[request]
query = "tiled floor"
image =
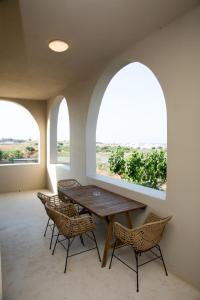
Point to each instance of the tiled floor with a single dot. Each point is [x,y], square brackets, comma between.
[31,272]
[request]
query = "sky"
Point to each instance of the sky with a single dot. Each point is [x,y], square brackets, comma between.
[132,111]
[16,122]
[63,122]
[133,108]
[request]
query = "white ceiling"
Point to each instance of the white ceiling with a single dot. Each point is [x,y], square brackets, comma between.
[96,30]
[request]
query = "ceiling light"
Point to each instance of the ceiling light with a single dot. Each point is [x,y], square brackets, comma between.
[58,46]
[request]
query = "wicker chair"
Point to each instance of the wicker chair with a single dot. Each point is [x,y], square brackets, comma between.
[66,184]
[143,238]
[44,198]
[71,226]
[57,204]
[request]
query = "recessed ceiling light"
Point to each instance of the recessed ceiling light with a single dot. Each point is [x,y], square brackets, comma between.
[58,46]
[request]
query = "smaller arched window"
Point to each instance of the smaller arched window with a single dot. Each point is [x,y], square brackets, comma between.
[63,134]
[19,135]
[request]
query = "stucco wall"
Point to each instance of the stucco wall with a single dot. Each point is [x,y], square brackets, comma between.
[28,177]
[172,53]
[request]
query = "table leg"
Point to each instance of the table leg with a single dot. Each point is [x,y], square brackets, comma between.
[129,220]
[109,235]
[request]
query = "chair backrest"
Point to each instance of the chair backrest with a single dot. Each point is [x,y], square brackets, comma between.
[52,204]
[149,235]
[55,204]
[63,222]
[68,183]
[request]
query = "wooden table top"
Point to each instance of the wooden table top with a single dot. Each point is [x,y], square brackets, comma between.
[101,202]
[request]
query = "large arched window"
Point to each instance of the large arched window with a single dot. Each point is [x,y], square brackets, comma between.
[63,133]
[19,135]
[131,134]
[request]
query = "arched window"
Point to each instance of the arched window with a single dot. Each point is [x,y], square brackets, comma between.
[63,133]
[131,134]
[19,134]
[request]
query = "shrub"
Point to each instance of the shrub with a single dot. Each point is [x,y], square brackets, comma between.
[30,149]
[148,169]
[117,161]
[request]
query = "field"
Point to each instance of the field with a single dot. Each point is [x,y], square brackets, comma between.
[13,151]
[63,152]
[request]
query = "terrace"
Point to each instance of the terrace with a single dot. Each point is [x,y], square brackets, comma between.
[30,271]
[103,37]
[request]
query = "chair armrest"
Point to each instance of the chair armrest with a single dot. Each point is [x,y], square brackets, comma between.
[143,237]
[44,198]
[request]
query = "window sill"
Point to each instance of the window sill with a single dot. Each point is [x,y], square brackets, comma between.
[65,166]
[153,193]
[19,164]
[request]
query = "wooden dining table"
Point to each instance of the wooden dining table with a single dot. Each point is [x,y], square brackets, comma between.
[104,204]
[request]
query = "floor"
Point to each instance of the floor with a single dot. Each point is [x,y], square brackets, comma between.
[30,272]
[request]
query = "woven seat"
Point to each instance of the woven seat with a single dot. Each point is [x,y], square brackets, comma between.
[143,238]
[70,227]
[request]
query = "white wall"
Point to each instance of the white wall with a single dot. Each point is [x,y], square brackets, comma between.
[173,54]
[24,176]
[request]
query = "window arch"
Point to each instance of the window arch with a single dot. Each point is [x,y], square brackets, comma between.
[19,134]
[59,132]
[63,133]
[131,133]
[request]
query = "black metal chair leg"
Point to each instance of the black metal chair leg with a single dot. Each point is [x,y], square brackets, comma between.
[52,235]
[46,227]
[55,244]
[161,256]
[136,258]
[82,241]
[96,245]
[68,246]
[112,254]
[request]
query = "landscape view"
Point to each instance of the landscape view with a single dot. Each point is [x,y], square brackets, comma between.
[18,151]
[19,135]
[131,129]
[63,152]
[132,111]
[145,164]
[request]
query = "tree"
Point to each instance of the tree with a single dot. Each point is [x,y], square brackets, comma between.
[156,168]
[116,161]
[135,167]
